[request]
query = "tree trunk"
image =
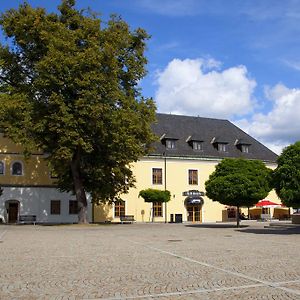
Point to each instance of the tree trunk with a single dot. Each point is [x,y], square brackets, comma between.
[237,217]
[79,189]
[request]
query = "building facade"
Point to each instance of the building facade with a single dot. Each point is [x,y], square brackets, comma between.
[187,151]
[29,189]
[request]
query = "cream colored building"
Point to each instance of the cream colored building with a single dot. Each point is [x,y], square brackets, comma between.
[187,153]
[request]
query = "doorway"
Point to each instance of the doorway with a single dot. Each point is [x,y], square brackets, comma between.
[13,211]
[194,213]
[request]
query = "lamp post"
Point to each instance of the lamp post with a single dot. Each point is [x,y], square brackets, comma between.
[165,162]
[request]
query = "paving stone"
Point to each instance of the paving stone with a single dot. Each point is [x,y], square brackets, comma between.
[149,261]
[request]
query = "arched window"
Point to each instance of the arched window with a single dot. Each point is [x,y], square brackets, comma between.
[17,168]
[1,168]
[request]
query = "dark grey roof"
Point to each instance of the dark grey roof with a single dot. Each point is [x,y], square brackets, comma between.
[210,132]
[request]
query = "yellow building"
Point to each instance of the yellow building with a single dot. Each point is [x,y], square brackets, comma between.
[186,154]
[181,162]
[29,190]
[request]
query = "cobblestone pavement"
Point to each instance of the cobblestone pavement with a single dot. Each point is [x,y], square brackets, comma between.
[149,261]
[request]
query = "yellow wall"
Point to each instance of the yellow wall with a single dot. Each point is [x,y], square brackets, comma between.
[177,183]
[35,170]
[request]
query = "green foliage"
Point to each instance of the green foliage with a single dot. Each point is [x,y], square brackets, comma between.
[239,182]
[286,177]
[69,86]
[153,195]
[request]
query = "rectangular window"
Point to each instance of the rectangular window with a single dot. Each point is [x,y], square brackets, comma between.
[222,147]
[170,144]
[55,207]
[197,146]
[157,209]
[156,176]
[193,176]
[73,207]
[245,148]
[119,208]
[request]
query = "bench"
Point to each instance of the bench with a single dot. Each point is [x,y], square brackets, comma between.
[29,219]
[127,219]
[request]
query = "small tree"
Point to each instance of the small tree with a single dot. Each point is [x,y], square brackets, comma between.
[286,177]
[154,195]
[239,182]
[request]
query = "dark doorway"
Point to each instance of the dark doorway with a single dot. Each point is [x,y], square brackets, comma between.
[13,208]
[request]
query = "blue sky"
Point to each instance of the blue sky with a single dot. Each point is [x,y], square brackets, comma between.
[233,59]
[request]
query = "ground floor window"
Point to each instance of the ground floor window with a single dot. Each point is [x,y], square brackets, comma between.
[73,207]
[157,209]
[119,208]
[55,207]
[231,212]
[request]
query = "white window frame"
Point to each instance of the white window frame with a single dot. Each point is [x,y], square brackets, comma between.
[245,148]
[170,144]
[222,147]
[197,146]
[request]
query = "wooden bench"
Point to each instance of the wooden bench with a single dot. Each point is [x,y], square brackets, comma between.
[127,219]
[27,219]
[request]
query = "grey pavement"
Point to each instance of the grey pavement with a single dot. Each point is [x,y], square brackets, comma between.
[150,261]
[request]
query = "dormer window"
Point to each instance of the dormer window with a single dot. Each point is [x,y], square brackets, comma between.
[220,144]
[169,141]
[198,146]
[170,144]
[245,148]
[243,145]
[222,147]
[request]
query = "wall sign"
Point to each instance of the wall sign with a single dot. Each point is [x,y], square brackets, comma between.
[193,194]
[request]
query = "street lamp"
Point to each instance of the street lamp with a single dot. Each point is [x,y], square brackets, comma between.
[165,161]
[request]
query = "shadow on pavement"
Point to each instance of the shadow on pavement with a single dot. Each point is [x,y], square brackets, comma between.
[274,230]
[216,225]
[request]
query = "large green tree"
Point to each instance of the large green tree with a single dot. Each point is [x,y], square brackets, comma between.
[286,176]
[239,182]
[69,86]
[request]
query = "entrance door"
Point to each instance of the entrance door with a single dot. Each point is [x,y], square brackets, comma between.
[13,212]
[194,213]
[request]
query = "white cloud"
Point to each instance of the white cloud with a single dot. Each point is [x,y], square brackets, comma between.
[281,125]
[197,87]
[292,64]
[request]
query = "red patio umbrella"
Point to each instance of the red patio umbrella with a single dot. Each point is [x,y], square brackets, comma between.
[266,203]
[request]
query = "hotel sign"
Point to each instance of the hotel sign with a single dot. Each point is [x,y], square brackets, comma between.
[193,194]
